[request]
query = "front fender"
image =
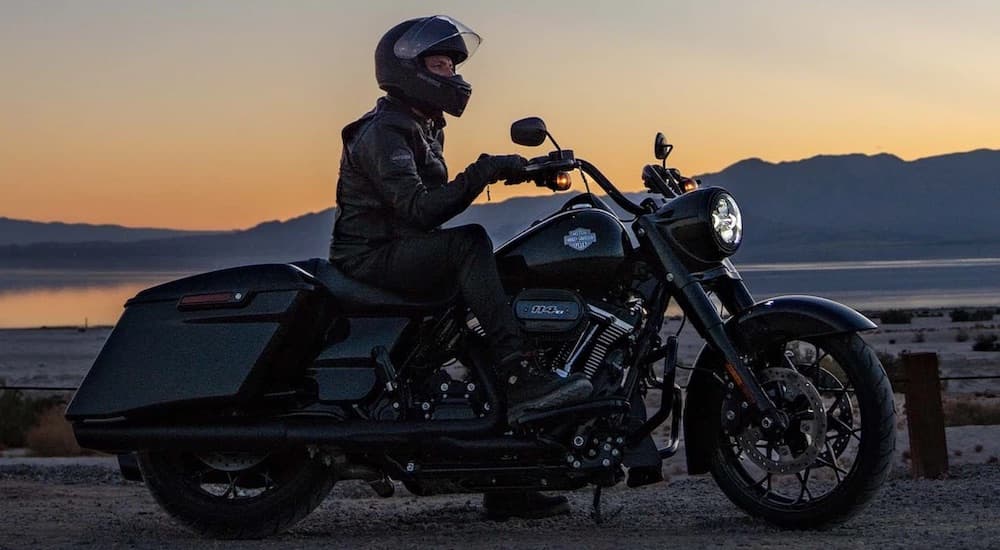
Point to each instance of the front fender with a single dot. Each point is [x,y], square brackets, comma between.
[772,320]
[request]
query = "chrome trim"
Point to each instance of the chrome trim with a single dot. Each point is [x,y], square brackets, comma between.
[608,317]
[304,272]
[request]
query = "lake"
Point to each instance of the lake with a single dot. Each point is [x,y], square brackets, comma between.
[36,298]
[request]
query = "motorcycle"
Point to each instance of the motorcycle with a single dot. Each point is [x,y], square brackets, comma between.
[241,396]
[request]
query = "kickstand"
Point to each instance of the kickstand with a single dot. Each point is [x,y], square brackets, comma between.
[596,514]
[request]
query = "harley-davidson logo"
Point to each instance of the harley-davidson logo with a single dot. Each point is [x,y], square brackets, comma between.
[580,238]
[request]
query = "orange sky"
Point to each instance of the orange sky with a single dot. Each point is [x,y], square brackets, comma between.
[223,114]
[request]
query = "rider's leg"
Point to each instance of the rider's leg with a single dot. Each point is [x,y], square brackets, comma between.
[463,256]
[439,261]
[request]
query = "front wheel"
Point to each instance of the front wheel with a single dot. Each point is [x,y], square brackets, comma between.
[237,495]
[837,450]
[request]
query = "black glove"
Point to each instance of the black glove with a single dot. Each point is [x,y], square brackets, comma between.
[503,167]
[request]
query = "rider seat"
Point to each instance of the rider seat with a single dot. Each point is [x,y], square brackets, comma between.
[354,297]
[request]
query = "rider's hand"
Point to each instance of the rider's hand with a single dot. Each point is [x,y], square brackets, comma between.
[504,167]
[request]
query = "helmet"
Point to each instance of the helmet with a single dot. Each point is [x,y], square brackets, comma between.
[399,66]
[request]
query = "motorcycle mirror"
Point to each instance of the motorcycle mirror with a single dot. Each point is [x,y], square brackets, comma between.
[661,149]
[530,132]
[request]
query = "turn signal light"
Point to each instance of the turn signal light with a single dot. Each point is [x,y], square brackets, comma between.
[562,181]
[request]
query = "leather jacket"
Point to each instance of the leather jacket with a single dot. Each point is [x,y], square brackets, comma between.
[394,181]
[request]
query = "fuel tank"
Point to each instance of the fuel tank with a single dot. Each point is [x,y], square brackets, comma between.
[580,248]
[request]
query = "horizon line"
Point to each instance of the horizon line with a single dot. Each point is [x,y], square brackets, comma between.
[333,206]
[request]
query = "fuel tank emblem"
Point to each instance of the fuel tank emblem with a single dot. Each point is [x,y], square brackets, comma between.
[580,238]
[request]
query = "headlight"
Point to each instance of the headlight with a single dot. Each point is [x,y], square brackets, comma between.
[727,221]
[705,226]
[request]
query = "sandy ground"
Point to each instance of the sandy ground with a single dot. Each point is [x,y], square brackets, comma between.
[83,502]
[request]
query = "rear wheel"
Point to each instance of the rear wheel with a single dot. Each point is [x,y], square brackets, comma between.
[237,495]
[838,448]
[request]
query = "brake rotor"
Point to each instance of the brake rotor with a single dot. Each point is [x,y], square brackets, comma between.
[797,448]
[232,462]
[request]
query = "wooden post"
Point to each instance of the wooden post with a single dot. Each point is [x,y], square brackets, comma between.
[925,416]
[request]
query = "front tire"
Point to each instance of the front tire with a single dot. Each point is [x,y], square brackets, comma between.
[237,495]
[805,479]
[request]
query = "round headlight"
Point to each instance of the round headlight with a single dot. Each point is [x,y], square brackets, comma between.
[727,221]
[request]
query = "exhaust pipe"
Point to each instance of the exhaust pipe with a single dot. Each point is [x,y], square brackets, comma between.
[234,435]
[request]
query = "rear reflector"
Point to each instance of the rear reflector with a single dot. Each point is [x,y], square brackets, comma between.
[216,299]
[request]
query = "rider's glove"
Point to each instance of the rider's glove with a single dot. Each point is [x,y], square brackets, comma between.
[503,167]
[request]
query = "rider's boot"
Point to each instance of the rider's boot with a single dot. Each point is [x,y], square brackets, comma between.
[527,505]
[530,387]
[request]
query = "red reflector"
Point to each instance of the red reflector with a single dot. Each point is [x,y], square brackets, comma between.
[215,299]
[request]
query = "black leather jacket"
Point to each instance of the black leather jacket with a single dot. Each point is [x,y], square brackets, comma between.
[394,181]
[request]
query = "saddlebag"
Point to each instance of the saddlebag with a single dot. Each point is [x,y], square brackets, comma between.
[216,338]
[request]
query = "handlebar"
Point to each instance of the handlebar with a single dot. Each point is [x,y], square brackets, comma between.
[609,188]
[548,164]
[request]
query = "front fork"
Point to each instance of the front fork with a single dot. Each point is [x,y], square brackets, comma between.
[690,294]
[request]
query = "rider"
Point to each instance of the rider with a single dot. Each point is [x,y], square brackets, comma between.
[394,193]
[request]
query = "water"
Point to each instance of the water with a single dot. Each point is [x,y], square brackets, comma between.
[44,298]
[884,284]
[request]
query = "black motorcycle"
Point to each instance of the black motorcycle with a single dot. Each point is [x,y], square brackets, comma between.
[241,396]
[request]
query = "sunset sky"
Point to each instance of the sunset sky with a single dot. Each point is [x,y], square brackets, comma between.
[222,114]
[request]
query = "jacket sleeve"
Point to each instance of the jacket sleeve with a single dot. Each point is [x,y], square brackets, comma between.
[389,161]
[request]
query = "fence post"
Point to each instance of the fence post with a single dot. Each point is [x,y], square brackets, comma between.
[925,416]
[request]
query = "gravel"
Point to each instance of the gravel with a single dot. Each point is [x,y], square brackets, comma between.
[60,504]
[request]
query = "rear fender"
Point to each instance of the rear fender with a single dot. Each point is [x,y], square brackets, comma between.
[772,320]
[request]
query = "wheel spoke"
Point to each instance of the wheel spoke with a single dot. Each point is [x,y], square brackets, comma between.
[231,490]
[846,428]
[832,463]
[836,403]
[761,484]
[803,478]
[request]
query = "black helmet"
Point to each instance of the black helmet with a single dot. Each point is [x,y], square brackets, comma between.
[399,66]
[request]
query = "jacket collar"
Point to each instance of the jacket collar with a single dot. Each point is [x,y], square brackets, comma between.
[395,104]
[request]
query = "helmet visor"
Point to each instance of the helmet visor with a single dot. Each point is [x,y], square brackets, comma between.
[433,31]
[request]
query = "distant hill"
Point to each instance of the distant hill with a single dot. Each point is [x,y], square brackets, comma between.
[869,207]
[23,232]
[847,207]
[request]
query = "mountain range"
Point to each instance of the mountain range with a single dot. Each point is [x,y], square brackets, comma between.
[23,232]
[825,208]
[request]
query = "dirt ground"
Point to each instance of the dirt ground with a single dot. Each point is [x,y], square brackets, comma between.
[90,508]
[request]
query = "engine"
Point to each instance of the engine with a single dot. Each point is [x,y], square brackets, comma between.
[573,335]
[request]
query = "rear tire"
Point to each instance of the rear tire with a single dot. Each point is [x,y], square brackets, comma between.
[237,495]
[859,427]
